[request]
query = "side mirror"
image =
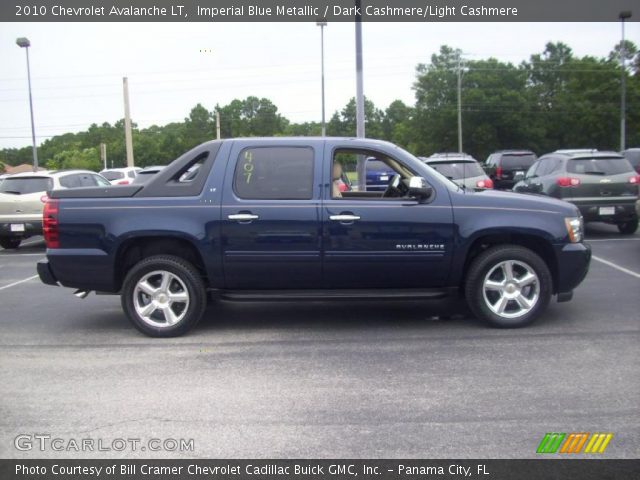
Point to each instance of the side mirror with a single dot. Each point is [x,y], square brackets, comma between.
[419,188]
[518,177]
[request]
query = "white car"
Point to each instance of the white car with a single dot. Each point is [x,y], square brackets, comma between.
[23,195]
[120,176]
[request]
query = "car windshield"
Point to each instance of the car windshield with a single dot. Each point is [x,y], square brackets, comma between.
[457,170]
[112,175]
[25,185]
[599,166]
[522,162]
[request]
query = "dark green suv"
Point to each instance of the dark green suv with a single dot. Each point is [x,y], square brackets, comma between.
[603,185]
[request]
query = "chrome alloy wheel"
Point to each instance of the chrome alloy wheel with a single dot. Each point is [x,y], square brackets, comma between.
[161,299]
[511,289]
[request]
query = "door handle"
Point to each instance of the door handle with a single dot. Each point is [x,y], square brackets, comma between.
[344,218]
[243,217]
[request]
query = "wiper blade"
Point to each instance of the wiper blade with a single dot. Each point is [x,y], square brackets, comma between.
[11,192]
[594,172]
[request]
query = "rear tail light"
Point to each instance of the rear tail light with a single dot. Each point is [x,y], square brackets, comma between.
[568,181]
[123,182]
[486,183]
[44,198]
[635,179]
[499,173]
[50,224]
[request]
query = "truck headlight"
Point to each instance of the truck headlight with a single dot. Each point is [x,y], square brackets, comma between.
[575,228]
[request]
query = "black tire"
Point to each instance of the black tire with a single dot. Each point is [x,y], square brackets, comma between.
[484,263]
[191,280]
[628,228]
[10,243]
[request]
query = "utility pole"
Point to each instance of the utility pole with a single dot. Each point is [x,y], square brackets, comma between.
[361,165]
[24,42]
[218,124]
[127,123]
[623,85]
[322,24]
[459,105]
[103,154]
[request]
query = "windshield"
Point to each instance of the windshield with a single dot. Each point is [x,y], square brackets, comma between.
[518,161]
[112,175]
[25,185]
[458,170]
[599,166]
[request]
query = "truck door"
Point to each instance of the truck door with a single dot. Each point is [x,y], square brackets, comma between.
[271,216]
[382,239]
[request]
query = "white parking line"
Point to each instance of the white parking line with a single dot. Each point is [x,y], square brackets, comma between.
[18,282]
[613,240]
[617,267]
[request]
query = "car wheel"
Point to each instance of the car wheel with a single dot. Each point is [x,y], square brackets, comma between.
[508,286]
[628,228]
[164,296]
[10,243]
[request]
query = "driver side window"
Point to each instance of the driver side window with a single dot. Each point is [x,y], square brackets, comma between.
[364,174]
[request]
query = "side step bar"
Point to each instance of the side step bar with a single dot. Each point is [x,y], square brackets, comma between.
[292,295]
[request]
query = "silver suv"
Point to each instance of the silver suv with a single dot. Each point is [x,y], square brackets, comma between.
[22,198]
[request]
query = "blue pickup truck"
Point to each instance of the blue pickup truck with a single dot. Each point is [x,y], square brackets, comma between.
[260,219]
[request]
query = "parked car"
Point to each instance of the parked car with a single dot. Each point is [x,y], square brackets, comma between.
[22,197]
[120,176]
[259,220]
[633,155]
[145,174]
[2,177]
[603,185]
[461,168]
[502,167]
[378,175]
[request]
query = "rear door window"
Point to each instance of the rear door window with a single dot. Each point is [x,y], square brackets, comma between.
[599,166]
[518,162]
[457,170]
[274,173]
[112,175]
[25,185]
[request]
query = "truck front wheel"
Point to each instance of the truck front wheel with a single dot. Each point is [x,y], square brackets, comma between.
[508,286]
[163,296]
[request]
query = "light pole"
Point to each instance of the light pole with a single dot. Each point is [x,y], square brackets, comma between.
[24,42]
[623,84]
[322,24]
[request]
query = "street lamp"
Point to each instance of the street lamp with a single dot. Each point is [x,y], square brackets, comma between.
[24,42]
[322,24]
[623,83]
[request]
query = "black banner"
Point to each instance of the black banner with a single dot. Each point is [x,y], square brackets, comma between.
[546,469]
[313,10]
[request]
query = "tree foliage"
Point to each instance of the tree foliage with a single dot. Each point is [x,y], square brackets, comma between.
[553,100]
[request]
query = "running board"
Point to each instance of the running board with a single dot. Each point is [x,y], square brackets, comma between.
[372,294]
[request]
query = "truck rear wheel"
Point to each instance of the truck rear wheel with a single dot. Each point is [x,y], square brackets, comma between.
[628,228]
[508,286]
[10,243]
[163,296]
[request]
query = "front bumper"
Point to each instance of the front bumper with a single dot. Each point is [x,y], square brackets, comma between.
[31,228]
[573,261]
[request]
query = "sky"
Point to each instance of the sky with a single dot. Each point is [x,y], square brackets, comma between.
[77,68]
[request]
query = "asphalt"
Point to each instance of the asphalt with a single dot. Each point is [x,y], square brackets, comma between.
[340,380]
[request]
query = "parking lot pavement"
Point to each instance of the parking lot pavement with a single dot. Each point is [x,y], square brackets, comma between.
[324,379]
